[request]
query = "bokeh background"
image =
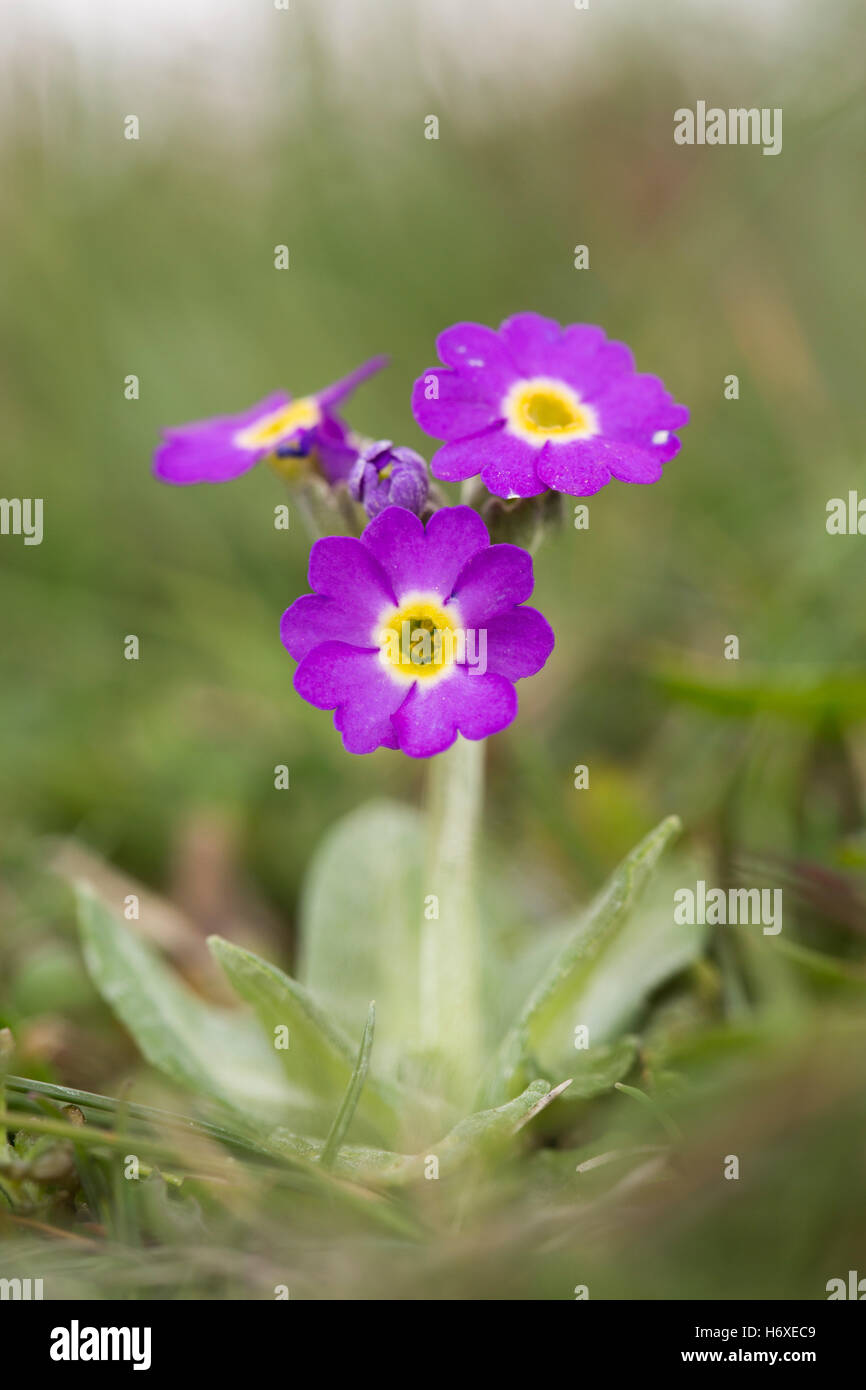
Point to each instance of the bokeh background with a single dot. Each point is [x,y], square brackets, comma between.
[155,257]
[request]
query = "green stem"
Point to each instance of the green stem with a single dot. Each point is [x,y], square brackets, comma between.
[450,1002]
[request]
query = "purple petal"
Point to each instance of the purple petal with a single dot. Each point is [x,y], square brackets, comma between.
[467,403]
[463,459]
[330,441]
[491,582]
[581,468]
[588,361]
[312,619]
[203,459]
[632,464]
[453,535]
[518,643]
[409,487]
[362,475]
[428,561]
[204,451]
[474,705]
[529,339]
[478,351]
[352,682]
[511,467]
[639,403]
[347,384]
[228,424]
[396,539]
[343,568]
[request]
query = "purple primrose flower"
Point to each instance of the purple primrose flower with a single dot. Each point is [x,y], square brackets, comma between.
[416,634]
[385,476]
[536,406]
[213,451]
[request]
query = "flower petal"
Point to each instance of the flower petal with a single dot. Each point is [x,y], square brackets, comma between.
[630,463]
[637,406]
[492,581]
[588,361]
[580,469]
[205,452]
[344,569]
[228,424]
[464,458]
[202,459]
[313,619]
[477,350]
[511,467]
[474,705]
[465,403]
[427,561]
[529,339]
[342,388]
[352,682]
[518,643]
[453,535]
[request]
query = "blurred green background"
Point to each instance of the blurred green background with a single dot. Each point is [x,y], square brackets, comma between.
[156,258]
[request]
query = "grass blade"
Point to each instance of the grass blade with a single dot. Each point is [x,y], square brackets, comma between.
[344,1115]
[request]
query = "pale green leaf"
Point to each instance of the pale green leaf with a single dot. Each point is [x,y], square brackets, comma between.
[610,962]
[319,1060]
[218,1053]
[361,910]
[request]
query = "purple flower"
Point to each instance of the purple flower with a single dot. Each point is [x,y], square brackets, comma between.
[416,634]
[212,451]
[384,476]
[536,406]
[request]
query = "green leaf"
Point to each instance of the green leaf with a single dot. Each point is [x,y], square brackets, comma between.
[319,1060]
[218,1053]
[600,977]
[360,917]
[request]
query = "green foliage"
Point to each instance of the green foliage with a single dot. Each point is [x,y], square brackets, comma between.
[214,1052]
[359,921]
[610,962]
[316,1057]
[325,1089]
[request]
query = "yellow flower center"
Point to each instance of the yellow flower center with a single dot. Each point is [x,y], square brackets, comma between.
[540,409]
[281,424]
[418,640]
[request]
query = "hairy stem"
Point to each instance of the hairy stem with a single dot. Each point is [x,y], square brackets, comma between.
[450,1003]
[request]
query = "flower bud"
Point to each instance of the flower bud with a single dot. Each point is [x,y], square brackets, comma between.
[384,476]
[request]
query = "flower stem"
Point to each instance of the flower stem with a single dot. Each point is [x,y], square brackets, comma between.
[450,1003]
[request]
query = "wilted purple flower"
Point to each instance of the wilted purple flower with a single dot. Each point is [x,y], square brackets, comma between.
[213,451]
[536,406]
[385,476]
[416,634]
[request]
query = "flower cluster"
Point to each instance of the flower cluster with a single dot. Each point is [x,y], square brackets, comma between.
[417,630]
